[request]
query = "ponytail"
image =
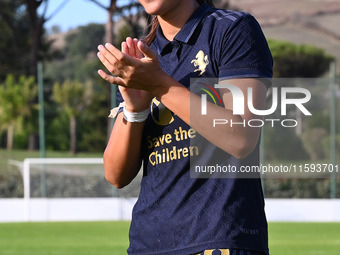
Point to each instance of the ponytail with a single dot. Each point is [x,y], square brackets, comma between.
[154,24]
[152,27]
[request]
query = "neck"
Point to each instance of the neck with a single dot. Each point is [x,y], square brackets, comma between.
[172,22]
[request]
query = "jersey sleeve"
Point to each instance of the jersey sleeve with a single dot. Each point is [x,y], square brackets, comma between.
[244,51]
[119,105]
[119,99]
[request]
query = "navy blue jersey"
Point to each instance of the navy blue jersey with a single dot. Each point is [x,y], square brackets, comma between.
[176,214]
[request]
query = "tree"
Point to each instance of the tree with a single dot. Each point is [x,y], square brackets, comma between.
[132,14]
[38,44]
[16,103]
[312,142]
[111,8]
[13,39]
[22,40]
[36,25]
[84,41]
[132,19]
[73,97]
[297,61]
[78,62]
[304,61]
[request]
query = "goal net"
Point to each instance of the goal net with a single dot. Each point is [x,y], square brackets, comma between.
[70,177]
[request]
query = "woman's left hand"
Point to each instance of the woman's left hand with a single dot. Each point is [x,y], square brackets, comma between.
[144,74]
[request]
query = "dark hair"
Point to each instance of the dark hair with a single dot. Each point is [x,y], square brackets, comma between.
[154,24]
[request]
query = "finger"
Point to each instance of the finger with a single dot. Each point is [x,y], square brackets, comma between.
[139,54]
[111,79]
[111,61]
[109,66]
[120,56]
[107,54]
[131,46]
[125,48]
[146,50]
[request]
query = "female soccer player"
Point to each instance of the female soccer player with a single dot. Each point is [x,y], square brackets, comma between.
[176,214]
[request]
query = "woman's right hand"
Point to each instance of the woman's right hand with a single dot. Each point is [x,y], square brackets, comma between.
[135,100]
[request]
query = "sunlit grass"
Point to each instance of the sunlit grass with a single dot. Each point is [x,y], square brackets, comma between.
[74,238]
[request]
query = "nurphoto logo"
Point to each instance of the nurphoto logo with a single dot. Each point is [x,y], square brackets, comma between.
[239,103]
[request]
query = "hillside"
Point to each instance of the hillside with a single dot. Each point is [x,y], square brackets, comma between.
[313,22]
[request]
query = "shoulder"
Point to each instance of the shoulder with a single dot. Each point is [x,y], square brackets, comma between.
[238,44]
[226,15]
[226,20]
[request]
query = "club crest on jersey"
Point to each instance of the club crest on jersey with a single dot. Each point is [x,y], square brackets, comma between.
[200,61]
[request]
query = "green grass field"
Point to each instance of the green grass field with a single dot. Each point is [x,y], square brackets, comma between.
[79,238]
[64,238]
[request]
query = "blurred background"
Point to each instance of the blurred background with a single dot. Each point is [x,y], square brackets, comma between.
[54,105]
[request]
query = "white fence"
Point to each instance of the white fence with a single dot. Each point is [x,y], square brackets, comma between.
[303,210]
[111,209]
[120,208]
[66,209]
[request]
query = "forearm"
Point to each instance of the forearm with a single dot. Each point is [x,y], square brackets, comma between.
[146,75]
[122,156]
[237,140]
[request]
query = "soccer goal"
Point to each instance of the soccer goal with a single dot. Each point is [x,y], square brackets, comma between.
[69,178]
[63,178]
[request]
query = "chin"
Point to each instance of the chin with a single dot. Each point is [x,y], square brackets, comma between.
[156,7]
[153,11]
